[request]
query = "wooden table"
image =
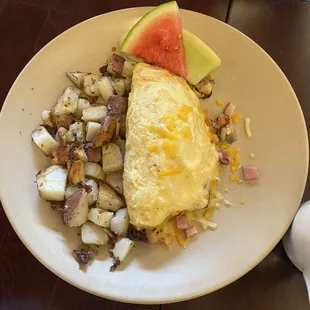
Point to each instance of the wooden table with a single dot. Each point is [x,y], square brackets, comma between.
[282,28]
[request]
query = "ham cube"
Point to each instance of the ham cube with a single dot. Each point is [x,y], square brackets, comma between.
[182,222]
[250,172]
[191,232]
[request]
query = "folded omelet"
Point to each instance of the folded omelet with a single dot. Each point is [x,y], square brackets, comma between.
[169,159]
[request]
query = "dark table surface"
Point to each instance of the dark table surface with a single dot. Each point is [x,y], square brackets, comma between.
[282,28]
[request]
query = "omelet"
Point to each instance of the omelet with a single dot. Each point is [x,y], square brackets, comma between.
[169,159]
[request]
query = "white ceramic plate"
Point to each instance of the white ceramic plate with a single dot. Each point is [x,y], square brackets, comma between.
[246,233]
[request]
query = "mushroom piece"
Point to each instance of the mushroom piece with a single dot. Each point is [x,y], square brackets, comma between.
[204,87]
[76,209]
[51,183]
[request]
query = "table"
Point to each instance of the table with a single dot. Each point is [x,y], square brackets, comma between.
[282,28]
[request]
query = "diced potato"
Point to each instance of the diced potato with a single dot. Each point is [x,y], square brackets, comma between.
[70,137]
[78,129]
[93,234]
[51,183]
[106,131]
[93,194]
[48,119]
[94,154]
[61,136]
[67,103]
[122,248]
[76,209]
[118,85]
[77,78]
[122,146]
[100,217]
[112,159]
[105,88]
[79,153]
[128,82]
[94,170]
[76,171]
[115,180]
[94,114]
[65,120]
[108,198]
[60,155]
[91,130]
[101,101]
[90,85]
[70,190]
[120,222]
[82,105]
[128,69]
[44,140]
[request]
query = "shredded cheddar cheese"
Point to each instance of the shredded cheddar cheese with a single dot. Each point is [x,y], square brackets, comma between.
[252,155]
[209,212]
[179,236]
[235,178]
[169,149]
[153,147]
[226,190]
[169,121]
[186,132]
[161,132]
[219,102]
[183,112]
[242,201]
[211,75]
[235,117]
[170,171]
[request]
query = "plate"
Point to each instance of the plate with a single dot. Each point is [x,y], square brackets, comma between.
[250,79]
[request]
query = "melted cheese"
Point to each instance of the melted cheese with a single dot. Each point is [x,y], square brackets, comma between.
[157,186]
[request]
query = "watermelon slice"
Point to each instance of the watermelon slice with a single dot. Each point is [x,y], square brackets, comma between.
[157,38]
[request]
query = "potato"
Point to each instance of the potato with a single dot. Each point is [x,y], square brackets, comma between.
[94,154]
[120,222]
[115,180]
[44,140]
[61,136]
[51,183]
[76,171]
[93,234]
[100,217]
[112,159]
[76,209]
[106,132]
[65,120]
[122,248]
[94,114]
[78,129]
[48,119]
[77,78]
[93,170]
[108,198]
[91,130]
[79,153]
[118,85]
[67,103]
[60,156]
[105,88]
[93,194]
[70,190]
[82,105]
[128,69]
[90,85]
[70,137]
[128,82]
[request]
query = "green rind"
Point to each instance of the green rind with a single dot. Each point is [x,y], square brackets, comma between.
[200,58]
[139,27]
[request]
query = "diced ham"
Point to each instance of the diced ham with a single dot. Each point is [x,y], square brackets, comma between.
[117,105]
[191,232]
[229,109]
[223,158]
[182,222]
[250,172]
[222,121]
[117,63]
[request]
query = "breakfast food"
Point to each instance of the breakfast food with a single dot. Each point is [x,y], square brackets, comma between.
[134,157]
[169,159]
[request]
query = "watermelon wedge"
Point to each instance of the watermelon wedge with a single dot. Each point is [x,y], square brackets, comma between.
[157,38]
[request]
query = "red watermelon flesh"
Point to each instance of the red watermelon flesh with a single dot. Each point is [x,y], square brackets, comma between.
[158,39]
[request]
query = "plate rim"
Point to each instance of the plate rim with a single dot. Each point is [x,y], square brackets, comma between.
[201,292]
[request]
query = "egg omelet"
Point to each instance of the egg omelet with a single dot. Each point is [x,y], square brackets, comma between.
[169,159]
